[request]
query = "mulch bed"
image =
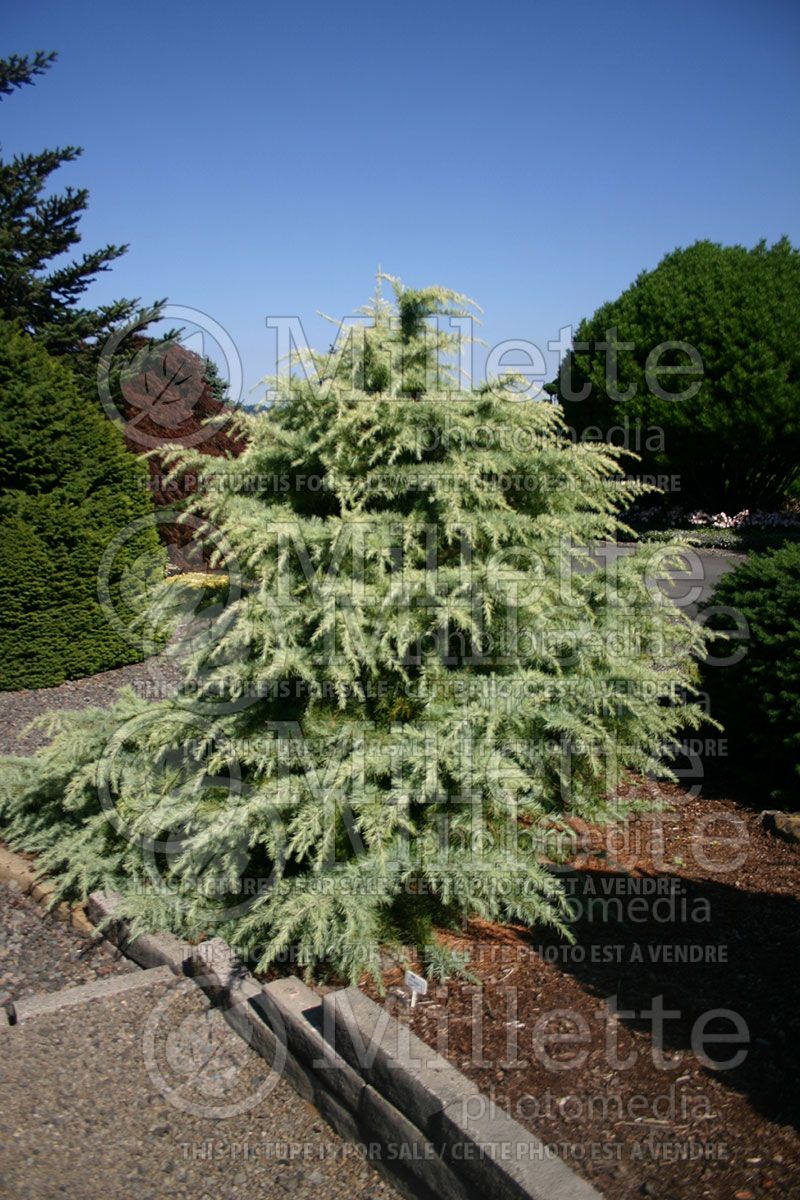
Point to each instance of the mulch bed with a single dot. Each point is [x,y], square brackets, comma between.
[666,907]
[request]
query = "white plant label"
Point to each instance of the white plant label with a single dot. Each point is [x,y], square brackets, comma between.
[418,986]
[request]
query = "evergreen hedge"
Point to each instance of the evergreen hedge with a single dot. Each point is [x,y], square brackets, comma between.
[757,698]
[68,489]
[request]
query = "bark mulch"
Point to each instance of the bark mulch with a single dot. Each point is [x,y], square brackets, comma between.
[697,906]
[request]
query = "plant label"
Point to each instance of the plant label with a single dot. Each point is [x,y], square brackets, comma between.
[418,986]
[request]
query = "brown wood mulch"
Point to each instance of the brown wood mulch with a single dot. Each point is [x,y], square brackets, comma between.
[677,914]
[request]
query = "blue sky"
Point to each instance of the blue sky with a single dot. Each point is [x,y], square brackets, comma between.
[262,159]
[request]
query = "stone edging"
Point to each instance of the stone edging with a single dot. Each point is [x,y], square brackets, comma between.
[784,825]
[16,869]
[426,1127]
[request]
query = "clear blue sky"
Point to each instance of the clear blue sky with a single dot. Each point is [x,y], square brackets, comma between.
[262,158]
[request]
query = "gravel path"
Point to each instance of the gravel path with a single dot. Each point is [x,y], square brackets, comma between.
[155,678]
[40,953]
[149,1095]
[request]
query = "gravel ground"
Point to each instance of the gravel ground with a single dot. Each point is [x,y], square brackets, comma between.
[41,953]
[85,1110]
[155,678]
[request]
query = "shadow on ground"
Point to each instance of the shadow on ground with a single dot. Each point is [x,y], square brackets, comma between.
[758,933]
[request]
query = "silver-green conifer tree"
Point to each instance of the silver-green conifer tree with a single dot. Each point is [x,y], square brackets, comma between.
[419,668]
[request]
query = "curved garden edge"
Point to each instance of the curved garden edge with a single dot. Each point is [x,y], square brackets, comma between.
[14,868]
[425,1126]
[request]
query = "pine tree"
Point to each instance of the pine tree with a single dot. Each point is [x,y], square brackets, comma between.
[37,227]
[409,682]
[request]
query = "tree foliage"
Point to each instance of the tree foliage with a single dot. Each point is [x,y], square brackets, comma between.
[409,681]
[734,439]
[37,227]
[162,393]
[169,395]
[756,690]
[68,487]
[18,69]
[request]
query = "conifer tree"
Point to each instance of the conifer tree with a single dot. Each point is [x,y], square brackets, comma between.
[69,490]
[37,226]
[409,683]
[704,351]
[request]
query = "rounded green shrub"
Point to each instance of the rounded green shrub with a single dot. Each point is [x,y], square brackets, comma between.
[757,693]
[696,367]
[68,490]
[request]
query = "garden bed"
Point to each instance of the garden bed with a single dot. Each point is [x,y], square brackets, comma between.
[658,915]
[742,532]
[739,541]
